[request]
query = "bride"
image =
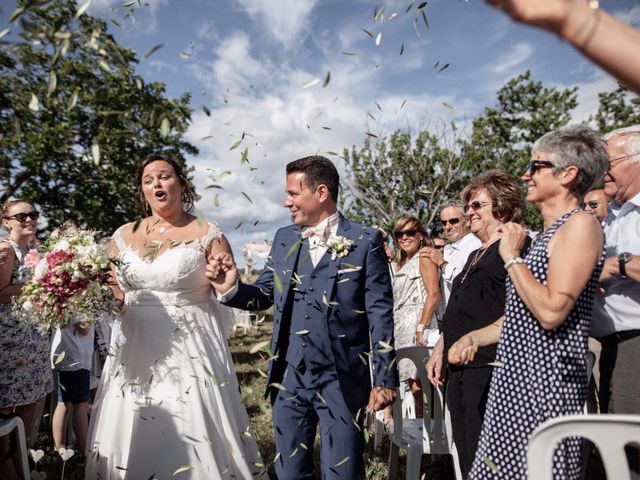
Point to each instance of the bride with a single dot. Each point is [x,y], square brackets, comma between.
[169,399]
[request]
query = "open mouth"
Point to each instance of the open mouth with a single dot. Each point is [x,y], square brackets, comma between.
[160,194]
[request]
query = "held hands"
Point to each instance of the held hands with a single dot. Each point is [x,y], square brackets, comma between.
[512,237]
[380,398]
[222,272]
[463,351]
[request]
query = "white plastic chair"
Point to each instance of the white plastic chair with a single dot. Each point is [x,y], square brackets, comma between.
[7,425]
[418,436]
[610,433]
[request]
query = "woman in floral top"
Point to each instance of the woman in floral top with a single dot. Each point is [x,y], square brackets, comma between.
[25,373]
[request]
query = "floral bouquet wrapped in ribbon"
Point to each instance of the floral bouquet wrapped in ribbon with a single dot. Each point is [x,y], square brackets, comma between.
[68,280]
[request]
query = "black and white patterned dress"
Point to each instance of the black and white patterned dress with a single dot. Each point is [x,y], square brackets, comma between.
[544,375]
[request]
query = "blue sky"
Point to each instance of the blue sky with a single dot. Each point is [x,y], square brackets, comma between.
[248,60]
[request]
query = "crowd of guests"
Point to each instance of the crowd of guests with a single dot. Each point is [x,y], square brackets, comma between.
[518,310]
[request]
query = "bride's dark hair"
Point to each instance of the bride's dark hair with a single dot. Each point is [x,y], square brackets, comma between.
[188,196]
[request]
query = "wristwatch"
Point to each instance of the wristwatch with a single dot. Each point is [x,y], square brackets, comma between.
[420,328]
[623,259]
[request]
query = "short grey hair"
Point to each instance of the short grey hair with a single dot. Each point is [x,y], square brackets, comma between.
[630,142]
[580,146]
[455,203]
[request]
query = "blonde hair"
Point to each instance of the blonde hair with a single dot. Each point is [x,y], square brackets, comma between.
[402,223]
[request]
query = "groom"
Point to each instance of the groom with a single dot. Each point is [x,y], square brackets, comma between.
[329,280]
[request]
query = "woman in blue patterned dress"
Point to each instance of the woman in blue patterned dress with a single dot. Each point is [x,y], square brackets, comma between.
[543,334]
[25,373]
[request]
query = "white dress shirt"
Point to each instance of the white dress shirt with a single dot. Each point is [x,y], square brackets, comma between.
[455,254]
[619,308]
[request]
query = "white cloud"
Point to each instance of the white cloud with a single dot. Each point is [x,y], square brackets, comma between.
[283,19]
[515,57]
[146,13]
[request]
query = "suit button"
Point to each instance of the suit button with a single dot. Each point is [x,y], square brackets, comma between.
[308,302]
[304,344]
[307,317]
[311,289]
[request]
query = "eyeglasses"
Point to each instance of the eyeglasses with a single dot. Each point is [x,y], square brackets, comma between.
[438,247]
[592,204]
[475,206]
[22,217]
[620,159]
[409,233]
[451,221]
[536,164]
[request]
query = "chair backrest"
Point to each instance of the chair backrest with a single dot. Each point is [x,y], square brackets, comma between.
[610,433]
[436,423]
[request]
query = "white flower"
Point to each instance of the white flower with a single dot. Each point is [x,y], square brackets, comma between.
[338,245]
[41,269]
[27,305]
[62,245]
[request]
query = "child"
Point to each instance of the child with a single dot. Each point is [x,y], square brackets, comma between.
[71,354]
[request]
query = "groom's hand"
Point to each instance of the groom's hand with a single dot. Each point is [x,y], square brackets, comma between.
[222,272]
[381,397]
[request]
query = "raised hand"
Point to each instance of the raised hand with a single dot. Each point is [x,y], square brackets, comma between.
[512,240]
[222,272]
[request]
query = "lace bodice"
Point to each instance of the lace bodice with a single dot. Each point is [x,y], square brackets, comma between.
[175,276]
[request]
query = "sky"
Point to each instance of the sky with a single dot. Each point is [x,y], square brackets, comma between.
[259,67]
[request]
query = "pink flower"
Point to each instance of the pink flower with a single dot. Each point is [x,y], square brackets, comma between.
[31,259]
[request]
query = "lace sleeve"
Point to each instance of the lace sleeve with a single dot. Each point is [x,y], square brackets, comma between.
[212,234]
[117,238]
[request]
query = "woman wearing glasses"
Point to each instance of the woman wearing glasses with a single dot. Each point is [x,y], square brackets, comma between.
[477,300]
[416,293]
[25,372]
[543,335]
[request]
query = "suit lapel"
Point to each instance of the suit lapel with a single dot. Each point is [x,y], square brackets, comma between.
[343,227]
[288,263]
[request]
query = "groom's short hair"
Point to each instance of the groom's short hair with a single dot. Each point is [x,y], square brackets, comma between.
[317,170]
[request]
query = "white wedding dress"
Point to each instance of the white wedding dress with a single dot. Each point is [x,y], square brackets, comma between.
[169,401]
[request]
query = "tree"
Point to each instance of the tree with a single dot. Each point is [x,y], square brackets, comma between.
[402,175]
[75,119]
[617,110]
[386,179]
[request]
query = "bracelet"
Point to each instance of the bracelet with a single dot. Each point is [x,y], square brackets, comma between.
[441,266]
[420,328]
[512,262]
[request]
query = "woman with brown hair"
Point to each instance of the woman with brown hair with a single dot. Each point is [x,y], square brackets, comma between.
[477,300]
[25,372]
[416,293]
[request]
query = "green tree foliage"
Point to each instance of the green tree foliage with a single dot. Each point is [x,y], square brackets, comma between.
[617,110]
[402,174]
[399,176]
[75,119]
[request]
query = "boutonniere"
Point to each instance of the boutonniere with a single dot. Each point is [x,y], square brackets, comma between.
[338,245]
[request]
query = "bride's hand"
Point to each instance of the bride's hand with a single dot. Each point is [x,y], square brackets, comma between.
[222,272]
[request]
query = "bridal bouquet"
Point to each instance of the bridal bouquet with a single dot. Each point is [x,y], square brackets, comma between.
[68,280]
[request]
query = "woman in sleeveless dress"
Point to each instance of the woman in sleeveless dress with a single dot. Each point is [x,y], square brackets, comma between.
[416,293]
[25,373]
[169,400]
[542,365]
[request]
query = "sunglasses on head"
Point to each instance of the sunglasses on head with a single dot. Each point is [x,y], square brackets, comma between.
[592,204]
[451,221]
[409,233]
[475,206]
[536,164]
[22,217]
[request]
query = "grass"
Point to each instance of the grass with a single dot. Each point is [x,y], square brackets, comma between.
[252,385]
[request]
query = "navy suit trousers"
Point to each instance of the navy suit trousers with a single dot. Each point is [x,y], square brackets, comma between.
[311,398]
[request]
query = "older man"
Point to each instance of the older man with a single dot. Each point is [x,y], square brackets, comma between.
[596,203]
[616,317]
[462,242]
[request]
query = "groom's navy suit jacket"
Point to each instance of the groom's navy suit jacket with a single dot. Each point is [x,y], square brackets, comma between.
[356,304]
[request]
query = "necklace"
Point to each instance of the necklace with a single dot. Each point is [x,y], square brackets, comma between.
[476,258]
